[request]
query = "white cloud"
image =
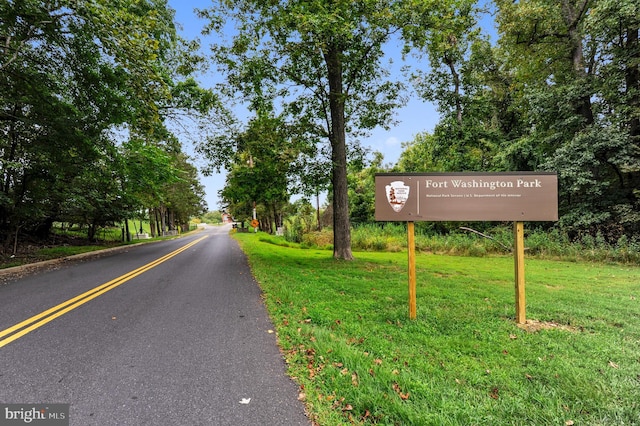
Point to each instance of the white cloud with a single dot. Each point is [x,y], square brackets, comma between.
[392,141]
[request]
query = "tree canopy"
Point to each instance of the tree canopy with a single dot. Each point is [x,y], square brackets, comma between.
[558,91]
[323,61]
[85,92]
[91,95]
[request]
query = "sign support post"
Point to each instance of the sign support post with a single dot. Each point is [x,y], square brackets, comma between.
[411,248]
[518,255]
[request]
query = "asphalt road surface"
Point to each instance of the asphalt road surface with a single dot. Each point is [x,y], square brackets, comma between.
[168,333]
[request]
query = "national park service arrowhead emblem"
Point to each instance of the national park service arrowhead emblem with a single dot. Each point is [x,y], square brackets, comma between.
[397,195]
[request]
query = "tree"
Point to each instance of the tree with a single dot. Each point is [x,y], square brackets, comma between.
[264,159]
[214,216]
[362,189]
[49,127]
[420,155]
[94,196]
[575,64]
[72,75]
[462,80]
[185,196]
[323,60]
[313,179]
[560,91]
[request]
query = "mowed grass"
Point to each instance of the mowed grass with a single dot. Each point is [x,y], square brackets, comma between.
[359,359]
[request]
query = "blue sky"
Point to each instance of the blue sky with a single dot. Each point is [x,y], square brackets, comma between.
[415,117]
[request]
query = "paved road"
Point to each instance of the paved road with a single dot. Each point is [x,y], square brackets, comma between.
[184,342]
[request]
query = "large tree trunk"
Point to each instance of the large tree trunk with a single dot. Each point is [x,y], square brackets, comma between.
[43,230]
[632,79]
[456,89]
[272,230]
[152,223]
[91,232]
[318,211]
[160,219]
[341,225]
[572,15]
[127,236]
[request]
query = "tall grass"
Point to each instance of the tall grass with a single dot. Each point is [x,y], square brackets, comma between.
[497,241]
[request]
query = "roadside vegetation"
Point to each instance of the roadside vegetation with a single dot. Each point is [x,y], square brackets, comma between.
[89,95]
[66,241]
[466,241]
[346,336]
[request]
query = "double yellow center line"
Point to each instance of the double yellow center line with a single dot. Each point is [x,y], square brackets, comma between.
[27,326]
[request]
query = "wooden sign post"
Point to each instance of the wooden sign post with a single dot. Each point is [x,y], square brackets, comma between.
[518,256]
[510,196]
[411,245]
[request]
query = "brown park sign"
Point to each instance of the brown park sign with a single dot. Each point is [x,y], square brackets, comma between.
[510,196]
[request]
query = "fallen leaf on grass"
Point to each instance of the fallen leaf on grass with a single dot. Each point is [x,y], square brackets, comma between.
[569,423]
[613,364]
[337,403]
[494,393]
[403,396]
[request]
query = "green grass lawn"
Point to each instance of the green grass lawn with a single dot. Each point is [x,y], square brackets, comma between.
[345,332]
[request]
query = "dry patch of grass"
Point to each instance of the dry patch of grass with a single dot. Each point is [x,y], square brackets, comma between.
[533,326]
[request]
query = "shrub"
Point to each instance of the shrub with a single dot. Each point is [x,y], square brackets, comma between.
[320,239]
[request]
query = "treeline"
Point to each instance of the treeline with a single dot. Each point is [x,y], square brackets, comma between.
[91,93]
[559,91]
[555,88]
[88,92]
